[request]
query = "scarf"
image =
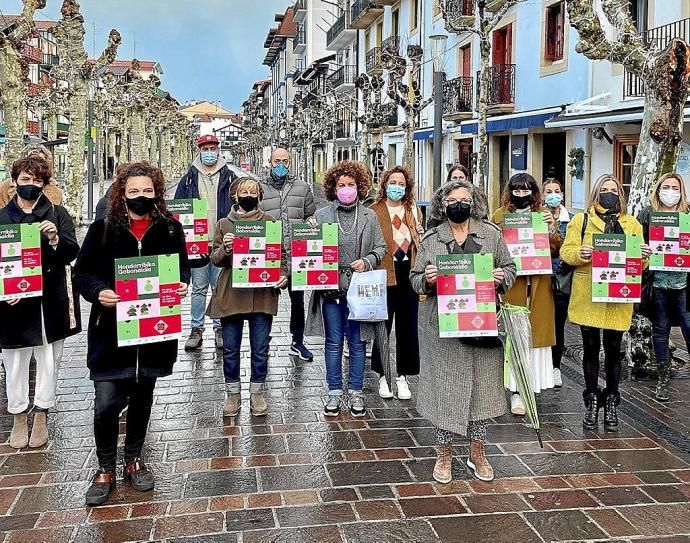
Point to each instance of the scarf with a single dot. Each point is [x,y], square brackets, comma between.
[610,218]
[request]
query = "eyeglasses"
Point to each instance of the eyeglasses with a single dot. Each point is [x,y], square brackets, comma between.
[522,192]
[277,161]
[450,201]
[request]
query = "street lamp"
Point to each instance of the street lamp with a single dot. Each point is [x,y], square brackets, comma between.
[438,55]
[90,151]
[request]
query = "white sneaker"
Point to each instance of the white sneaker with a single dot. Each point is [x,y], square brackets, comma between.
[403,388]
[557,380]
[516,405]
[384,391]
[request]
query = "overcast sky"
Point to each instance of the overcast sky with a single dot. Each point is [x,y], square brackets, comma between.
[209,49]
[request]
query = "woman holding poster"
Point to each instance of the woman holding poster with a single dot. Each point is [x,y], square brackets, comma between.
[137,224]
[668,287]
[522,197]
[461,381]
[606,214]
[39,309]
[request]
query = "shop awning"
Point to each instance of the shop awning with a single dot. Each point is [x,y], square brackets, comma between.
[514,121]
[424,134]
[602,117]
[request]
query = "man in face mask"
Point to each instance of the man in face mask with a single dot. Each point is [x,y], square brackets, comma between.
[290,200]
[208,178]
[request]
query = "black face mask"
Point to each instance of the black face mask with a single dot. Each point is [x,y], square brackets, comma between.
[141,205]
[30,193]
[521,202]
[609,201]
[248,203]
[458,212]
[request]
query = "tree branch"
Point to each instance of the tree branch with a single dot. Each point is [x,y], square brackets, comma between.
[109,53]
[498,15]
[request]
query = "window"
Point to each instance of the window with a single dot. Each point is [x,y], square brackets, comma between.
[639,13]
[414,14]
[502,49]
[624,151]
[555,22]
[395,23]
[465,61]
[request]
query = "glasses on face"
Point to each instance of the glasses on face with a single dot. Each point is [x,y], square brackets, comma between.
[522,192]
[284,161]
[450,201]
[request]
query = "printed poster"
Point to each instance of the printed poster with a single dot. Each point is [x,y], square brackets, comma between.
[256,253]
[527,238]
[149,311]
[669,238]
[616,268]
[193,216]
[314,261]
[21,275]
[466,295]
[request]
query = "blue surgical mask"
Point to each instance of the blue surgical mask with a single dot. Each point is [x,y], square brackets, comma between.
[209,158]
[553,199]
[280,171]
[395,192]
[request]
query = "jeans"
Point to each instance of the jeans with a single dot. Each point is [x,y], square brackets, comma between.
[668,303]
[296,314]
[561,302]
[202,278]
[591,341]
[259,341]
[111,398]
[337,327]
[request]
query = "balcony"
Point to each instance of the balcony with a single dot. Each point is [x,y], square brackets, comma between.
[341,34]
[391,45]
[501,88]
[365,12]
[457,99]
[50,59]
[374,65]
[33,54]
[459,13]
[494,5]
[344,78]
[299,42]
[299,11]
[659,37]
[389,119]
[343,130]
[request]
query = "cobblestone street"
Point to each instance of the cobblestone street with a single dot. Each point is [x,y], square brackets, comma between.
[295,477]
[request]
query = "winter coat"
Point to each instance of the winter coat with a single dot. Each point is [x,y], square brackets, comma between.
[226,300]
[582,310]
[188,188]
[372,249]
[95,272]
[541,304]
[293,203]
[381,210]
[58,307]
[51,190]
[458,382]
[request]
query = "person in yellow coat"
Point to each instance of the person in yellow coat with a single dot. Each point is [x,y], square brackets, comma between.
[606,214]
[523,195]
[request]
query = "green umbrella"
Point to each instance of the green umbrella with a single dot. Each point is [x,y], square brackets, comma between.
[518,343]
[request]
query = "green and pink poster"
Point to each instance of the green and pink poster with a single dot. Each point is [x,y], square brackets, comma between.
[314,261]
[149,310]
[256,254]
[21,275]
[466,295]
[669,238]
[527,238]
[193,216]
[616,268]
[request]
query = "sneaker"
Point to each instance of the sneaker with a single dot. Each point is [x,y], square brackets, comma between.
[516,405]
[357,408]
[102,484]
[384,389]
[403,388]
[298,349]
[196,336]
[557,379]
[138,475]
[332,407]
[219,338]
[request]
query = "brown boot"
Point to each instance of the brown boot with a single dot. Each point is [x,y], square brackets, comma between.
[478,462]
[444,460]
[232,405]
[39,431]
[257,404]
[19,437]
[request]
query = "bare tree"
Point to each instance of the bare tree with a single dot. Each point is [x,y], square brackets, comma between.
[14,77]
[374,111]
[665,77]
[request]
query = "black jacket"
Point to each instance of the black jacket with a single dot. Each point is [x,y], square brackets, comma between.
[188,188]
[102,205]
[95,271]
[21,323]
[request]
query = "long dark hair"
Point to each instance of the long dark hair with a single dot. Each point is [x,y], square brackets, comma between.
[521,181]
[458,167]
[117,216]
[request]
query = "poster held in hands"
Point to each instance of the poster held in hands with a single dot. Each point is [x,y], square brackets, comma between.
[193,216]
[669,239]
[21,274]
[527,238]
[256,254]
[314,256]
[616,268]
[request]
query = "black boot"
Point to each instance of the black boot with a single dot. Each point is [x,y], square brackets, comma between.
[611,412]
[661,392]
[102,484]
[590,420]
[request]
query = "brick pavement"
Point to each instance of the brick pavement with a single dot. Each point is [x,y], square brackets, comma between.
[294,476]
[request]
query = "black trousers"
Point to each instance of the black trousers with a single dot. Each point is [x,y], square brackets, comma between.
[403,302]
[561,302]
[591,341]
[111,398]
[296,313]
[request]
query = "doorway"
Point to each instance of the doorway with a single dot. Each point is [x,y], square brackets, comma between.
[503,162]
[553,157]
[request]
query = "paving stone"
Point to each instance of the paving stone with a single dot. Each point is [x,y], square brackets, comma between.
[221,482]
[53,535]
[612,522]
[377,510]
[565,463]
[322,534]
[115,532]
[50,498]
[507,528]
[249,519]
[559,499]
[666,493]
[185,525]
[564,525]
[431,507]
[621,495]
[386,532]
[501,503]
[293,477]
[331,513]
[668,519]
[641,460]
[17,522]
[361,473]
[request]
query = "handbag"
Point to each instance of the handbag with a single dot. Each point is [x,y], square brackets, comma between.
[563,278]
[367,296]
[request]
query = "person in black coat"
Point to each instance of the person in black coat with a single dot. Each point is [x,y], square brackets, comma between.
[137,224]
[38,326]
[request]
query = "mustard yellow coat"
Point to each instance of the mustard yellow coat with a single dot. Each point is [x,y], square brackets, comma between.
[581,309]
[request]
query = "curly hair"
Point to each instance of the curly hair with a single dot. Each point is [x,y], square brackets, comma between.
[408,199]
[351,168]
[117,215]
[521,181]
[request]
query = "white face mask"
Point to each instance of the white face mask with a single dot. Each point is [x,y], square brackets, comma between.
[669,197]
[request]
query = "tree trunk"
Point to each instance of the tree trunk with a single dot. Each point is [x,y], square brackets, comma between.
[482,163]
[74,176]
[140,152]
[166,158]
[408,149]
[52,120]
[13,96]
